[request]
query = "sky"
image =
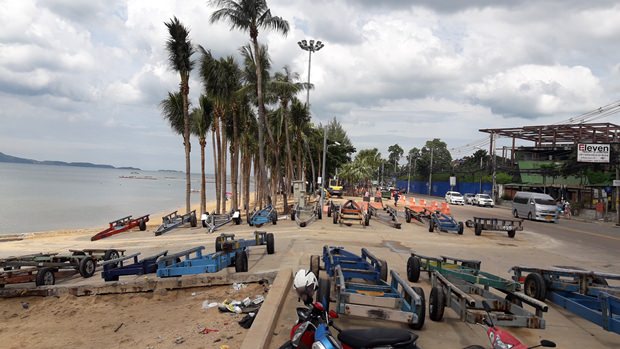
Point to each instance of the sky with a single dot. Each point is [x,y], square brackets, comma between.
[82,80]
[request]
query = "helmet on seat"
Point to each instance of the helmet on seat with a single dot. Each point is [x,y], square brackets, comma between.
[305,284]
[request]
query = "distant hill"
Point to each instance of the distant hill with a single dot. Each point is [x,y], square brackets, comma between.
[14,159]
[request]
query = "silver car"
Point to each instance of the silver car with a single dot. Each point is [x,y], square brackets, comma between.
[483,200]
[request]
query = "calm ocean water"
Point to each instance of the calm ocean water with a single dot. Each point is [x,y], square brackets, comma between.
[40,197]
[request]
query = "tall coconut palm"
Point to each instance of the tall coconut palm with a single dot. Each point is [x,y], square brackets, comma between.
[180,51]
[300,117]
[252,15]
[172,110]
[201,124]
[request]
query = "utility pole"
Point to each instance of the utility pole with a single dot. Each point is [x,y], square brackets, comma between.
[311,47]
[494,196]
[409,174]
[323,174]
[430,175]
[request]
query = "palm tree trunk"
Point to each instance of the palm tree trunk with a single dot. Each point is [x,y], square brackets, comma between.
[203,184]
[188,179]
[224,159]
[217,176]
[234,163]
[219,165]
[262,121]
[311,164]
[301,174]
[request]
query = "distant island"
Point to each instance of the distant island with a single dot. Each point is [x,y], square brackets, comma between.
[17,160]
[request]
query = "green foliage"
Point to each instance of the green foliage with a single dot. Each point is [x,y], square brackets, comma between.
[172,110]
[503,178]
[442,160]
[599,177]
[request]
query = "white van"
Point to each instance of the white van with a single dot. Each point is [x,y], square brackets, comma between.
[536,206]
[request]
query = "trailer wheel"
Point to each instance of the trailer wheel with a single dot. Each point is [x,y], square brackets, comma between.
[142,225]
[274,218]
[477,229]
[515,213]
[431,226]
[218,243]
[45,277]
[407,217]
[383,273]
[461,228]
[512,233]
[271,246]
[292,215]
[78,253]
[367,220]
[335,218]
[241,262]
[329,210]
[514,300]
[192,221]
[437,304]
[421,312]
[413,269]
[111,254]
[87,267]
[237,220]
[315,265]
[323,294]
[320,214]
[534,286]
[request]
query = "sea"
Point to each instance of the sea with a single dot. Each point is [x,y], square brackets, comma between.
[37,198]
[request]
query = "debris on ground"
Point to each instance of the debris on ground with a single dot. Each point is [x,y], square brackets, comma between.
[25,305]
[119,327]
[238,286]
[179,340]
[247,320]
[208,305]
[207,330]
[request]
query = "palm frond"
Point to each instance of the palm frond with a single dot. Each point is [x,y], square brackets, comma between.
[172,111]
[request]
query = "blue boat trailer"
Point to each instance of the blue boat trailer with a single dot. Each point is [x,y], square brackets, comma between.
[229,252]
[445,223]
[264,216]
[114,268]
[582,292]
[361,288]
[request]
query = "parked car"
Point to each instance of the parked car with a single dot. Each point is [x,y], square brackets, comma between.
[468,198]
[483,200]
[536,206]
[454,198]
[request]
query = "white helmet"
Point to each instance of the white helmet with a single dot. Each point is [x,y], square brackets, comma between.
[305,283]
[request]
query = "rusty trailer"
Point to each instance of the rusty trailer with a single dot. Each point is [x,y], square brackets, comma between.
[384,214]
[122,225]
[348,213]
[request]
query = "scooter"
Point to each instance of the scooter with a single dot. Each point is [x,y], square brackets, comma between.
[312,332]
[501,339]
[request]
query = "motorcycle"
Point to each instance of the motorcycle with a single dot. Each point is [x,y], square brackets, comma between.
[501,339]
[312,332]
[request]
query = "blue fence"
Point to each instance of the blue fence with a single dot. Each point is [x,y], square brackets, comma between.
[440,188]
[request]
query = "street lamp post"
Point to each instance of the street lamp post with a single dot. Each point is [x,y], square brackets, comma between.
[430,175]
[310,47]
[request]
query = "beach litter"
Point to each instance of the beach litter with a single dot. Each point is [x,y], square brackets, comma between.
[247,320]
[179,340]
[238,286]
[207,330]
[208,305]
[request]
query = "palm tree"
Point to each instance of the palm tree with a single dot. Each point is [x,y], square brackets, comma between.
[201,124]
[252,15]
[172,110]
[180,50]
[300,117]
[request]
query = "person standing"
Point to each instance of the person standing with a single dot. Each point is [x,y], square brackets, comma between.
[396,197]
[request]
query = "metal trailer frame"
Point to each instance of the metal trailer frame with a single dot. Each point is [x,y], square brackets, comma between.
[388,215]
[417,215]
[348,212]
[457,294]
[370,295]
[114,268]
[213,221]
[229,252]
[266,215]
[304,215]
[417,263]
[40,276]
[174,220]
[445,223]
[582,292]
[497,224]
[122,225]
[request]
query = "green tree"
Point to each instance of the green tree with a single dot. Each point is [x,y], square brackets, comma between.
[395,153]
[180,51]
[250,16]
[442,160]
[339,153]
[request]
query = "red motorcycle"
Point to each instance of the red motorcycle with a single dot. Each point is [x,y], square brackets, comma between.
[501,339]
[312,331]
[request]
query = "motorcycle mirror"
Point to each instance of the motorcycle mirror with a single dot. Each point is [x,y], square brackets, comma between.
[302,314]
[486,306]
[547,343]
[318,306]
[333,314]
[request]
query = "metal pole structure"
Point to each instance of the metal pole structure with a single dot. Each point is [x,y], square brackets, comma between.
[323,174]
[311,47]
[494,196]
[409,175]
[430,175]
[308,89]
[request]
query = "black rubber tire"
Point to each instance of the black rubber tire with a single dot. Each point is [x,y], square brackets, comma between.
[335,218]
[142,225]
[383,273]
[78,253]
[329,210]
[534,286]
[477,229]
[407,217]
[315,265]
[421,312]
[512,233]
[218,243]
[529,216]
[461,228]
[413,269]
[324,292]
[289,345]
[515,213]
[367,220]
[514,300]
[87,267]
[436,304]
[204,224]
[431,226]
[45,277]
[111,254]
[599,281]
[467,347]
[292,215]
[241,262]
[302,224]
[237,220]
[192,221]
[320,214]
[271,245]
[274,219]
[470,265]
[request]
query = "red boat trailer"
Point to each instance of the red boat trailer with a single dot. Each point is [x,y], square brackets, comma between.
[122,225]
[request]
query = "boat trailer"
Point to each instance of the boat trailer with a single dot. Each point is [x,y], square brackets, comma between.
[496,224]
[266,215]
[174,220]
[114,268]
[121,225]
[304,215]
[213,221]
[361,288]
[347,213]
[582,292]
[229,252]
[445,223]
[384,214]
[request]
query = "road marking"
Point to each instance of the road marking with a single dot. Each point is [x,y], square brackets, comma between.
[593,234]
